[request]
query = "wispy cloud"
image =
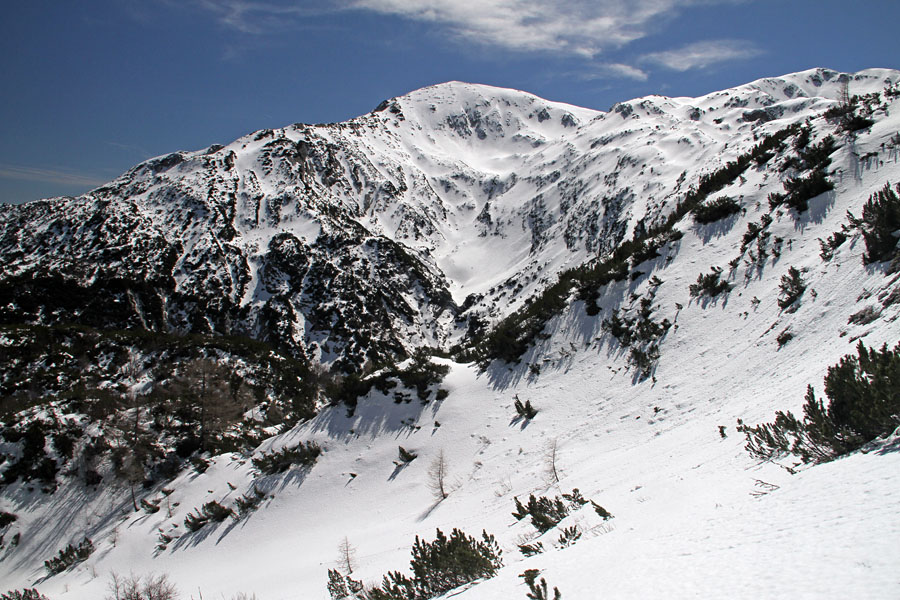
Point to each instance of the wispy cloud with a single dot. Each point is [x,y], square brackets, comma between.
[260,17]
[63,176]
[131,148]
[616,71]
[582,27]
[575,27]
[703,54]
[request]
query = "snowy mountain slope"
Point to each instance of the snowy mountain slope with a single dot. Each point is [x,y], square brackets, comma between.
[278,234]
[694,514]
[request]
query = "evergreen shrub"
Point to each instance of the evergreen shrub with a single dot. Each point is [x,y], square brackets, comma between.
[442,565]
[304,454]
[863,392]
[878,224]
[69,556]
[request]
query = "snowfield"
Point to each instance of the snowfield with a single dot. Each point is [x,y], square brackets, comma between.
[694,515]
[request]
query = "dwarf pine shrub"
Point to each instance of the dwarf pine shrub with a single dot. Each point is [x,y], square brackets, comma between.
[546,512]
[531,549]
[880,219]
[716,210]
[195,522]
[442,565]
[69,556]
[791,288]
[538,591]
[26,594]
[249,502]
[800,190]
[863,392]
[828,246]
[304,454]
[406,456]
[709,284]
[216,512]
[569,536]
[526,410]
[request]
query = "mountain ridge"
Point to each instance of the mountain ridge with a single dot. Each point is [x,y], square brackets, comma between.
[383,175]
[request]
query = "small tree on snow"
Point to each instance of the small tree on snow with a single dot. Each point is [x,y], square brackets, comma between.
[346,556]
[550,460]
[438,481]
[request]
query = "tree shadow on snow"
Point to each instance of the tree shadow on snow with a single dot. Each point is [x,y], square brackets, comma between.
[711,231]
[375,415]
[816,212]
[67,508]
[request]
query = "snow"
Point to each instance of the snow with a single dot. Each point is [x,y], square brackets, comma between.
[694,515]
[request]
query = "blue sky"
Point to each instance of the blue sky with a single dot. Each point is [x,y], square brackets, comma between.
[91,88]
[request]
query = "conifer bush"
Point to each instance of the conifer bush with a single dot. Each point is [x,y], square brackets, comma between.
[800,190]
[538,591]
[26,594]
[863,392]
[406,456]
[249,502]
[716,210]
[442,565]
[878,224]
[304,454]
[6,518]
[828,246]
[531,549]
[526,410]
[216,512]
[547,512]
[791,288]
[709,284]
[569,536]
[69,556]
[341,586]
[195,522]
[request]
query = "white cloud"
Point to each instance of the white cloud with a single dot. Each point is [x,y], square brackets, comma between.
[703,54]
[618,71]
[575,27]
[582,27]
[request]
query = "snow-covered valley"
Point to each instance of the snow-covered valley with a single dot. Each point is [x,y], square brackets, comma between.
[459,192]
